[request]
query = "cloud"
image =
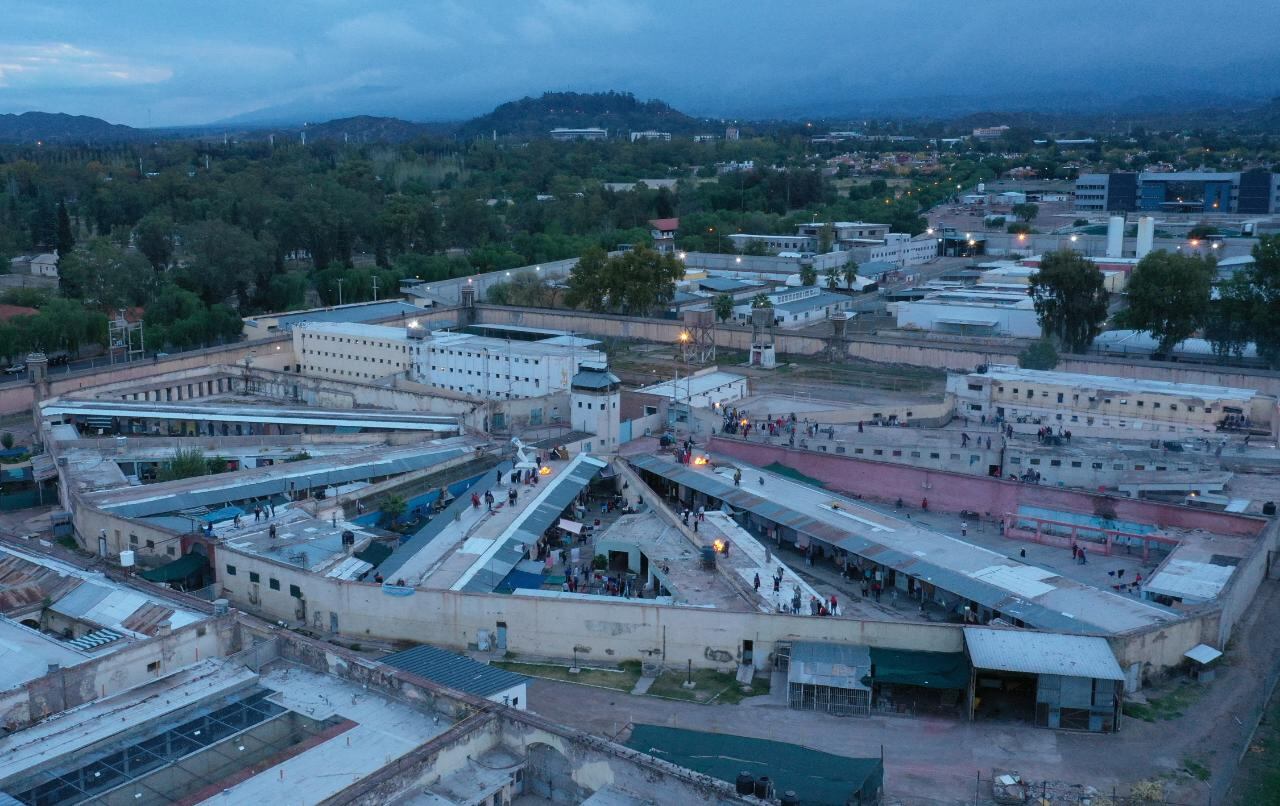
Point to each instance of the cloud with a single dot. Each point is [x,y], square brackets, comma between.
[61,64]
[382,31]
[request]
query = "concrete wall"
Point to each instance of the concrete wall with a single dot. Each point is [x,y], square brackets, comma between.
[952,492]
[113,672]
[600,633]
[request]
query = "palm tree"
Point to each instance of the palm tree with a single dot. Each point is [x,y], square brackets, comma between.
[850,274]
[833,277]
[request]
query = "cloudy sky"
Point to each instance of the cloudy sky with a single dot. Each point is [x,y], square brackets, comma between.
[182,62]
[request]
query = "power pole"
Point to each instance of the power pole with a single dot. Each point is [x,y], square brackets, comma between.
[340,281]
[375,288]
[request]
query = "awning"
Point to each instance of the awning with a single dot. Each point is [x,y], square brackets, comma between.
[1202,654]
[903,667]
[1041,653]
[573,527]
[185,566]
[955,320]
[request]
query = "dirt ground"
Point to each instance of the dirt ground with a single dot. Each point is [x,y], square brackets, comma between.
[929,760]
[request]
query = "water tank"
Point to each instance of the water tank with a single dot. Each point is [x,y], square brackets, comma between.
[746,783]
[1115,236]
[1146,236]
[764,787]
[709,557]
[762,317]
[122,444]
[126,559]
[1269,508]
[790,798]
[221,607]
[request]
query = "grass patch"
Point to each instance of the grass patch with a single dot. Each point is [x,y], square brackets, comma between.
[722,687]
[1257,782]
[1170,705]
[1197,770]
[622,679]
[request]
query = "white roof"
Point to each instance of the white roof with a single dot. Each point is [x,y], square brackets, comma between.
[695,385]
[1041,653]
[1202,653]
[1006,372]
[1188,579]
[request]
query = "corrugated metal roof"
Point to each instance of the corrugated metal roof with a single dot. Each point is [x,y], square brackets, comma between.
[455,671]
[954,582]
[530,524]
[1041,653]
[823,664]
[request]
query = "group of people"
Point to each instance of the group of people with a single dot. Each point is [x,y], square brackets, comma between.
[964,440]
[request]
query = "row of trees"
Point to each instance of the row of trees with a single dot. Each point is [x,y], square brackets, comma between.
[634,283]
[1172,296]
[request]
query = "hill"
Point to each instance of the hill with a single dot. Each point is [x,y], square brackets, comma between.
[56,127]
[373,129]
[619,112]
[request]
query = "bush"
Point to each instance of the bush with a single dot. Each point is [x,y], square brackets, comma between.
[6,439]
[1041,355]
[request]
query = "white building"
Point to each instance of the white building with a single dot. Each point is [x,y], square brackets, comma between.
[650,134]
[897,248]
[477,366]
[973,311]
[592,133]
[593,405]
[703,390]
[44,265]
[796,307]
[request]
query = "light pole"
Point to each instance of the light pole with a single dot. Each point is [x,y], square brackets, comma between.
[340,282]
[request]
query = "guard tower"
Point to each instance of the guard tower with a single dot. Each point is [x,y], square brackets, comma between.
[837,344]
[467,301]
[762,352]
[593,404]
[698,340]
[38,366]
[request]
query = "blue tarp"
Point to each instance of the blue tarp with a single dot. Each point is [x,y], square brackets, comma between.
[224,514]
[521,579]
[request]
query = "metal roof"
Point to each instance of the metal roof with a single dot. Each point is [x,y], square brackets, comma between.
[510,548]
[816,301]
[454,671]
[1041,653]
[955,582]
[205,412]
[1202,654]
[822,664]
[360,312]
[227,488]
[589,378]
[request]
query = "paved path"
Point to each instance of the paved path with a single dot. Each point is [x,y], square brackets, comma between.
[939,758]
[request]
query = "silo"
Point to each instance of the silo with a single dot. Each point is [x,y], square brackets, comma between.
[1115,236]
[1146,236]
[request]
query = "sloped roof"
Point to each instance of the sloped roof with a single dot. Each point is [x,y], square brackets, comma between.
[1042,653]
[455,671]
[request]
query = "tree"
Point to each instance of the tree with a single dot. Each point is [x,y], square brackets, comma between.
[1263,279]
[755,247]
[1019,228]
[832,277]
[808,275]
[6,439]
[1027,212]
[1070,299]
[1040,355]
[850,273]
[1169,297]
[66,240]
[588,281]
[154,239]
[1228,324]
[392,507]
[186,463]
[1202,231]
[761,300]
[632,283]
[105,275]
[826,236]
[723,306]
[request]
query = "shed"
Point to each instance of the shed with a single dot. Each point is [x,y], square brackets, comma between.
[829,677]
[461,673]
[1051,679]
[1203,661]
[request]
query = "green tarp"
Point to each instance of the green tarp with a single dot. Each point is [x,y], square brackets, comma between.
[904,667]
[815,777]
[374,553]
[178,570]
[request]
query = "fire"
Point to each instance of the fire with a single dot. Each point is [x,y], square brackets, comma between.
[718,545]
[544,471]
[700,460]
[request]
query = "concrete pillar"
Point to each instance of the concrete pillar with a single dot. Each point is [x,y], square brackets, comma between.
[1146,236]
[1115,236]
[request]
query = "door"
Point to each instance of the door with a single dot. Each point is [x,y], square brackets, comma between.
[501,640]
[748,652]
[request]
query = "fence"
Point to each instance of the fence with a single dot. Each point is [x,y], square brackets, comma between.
[1055,792]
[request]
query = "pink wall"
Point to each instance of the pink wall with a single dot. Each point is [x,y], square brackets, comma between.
[952,492]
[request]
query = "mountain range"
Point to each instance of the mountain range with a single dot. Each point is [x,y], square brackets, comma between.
[620,112]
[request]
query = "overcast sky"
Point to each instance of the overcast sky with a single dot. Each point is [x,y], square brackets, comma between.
[190,62]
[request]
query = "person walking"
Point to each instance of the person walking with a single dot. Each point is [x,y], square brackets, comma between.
[964,528]
[834,610]
[757,582]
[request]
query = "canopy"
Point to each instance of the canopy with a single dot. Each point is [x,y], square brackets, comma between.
[905,667]
[816,777]
[185,566]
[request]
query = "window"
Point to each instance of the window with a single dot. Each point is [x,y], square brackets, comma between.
[935,456]
[231,570]
[955,456]
[1075,464]
[153,666]
[1097,465]
[295,591]
[1055,463]
[975,387]
[151,544]
[1173,407]
[273,583]
[899,453]
[878,452]
[1141,403]
[914,454]
[254,577]
[171,551]
[133,539]
[1059,397]
[1035,461]
[1015,460]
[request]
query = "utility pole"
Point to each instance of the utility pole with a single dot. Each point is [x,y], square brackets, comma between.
[340,281]
[375,288]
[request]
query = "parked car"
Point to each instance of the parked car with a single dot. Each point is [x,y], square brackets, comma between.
[16,369]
